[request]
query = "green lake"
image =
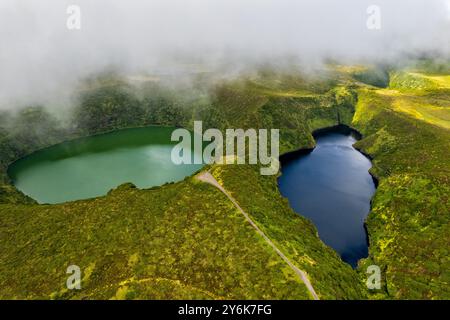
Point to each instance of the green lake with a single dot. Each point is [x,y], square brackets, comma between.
[90,167]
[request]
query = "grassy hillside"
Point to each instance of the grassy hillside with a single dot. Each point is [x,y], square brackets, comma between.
[186,240]
[183,240]
[409,224]
[297,238]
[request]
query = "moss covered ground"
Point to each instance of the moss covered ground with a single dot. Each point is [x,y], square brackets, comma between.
[186,240]
[409,227]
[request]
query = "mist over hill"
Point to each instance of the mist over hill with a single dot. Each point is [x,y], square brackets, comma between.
[42,61]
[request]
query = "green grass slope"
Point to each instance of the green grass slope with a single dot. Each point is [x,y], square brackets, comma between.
[187,240]
[183,240]
[409,225]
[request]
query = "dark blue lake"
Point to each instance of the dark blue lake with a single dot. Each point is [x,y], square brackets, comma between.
[332,187]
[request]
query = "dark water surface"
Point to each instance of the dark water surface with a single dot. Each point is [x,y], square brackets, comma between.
[332,187]
[90,167]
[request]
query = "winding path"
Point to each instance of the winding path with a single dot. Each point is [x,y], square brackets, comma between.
[208,178]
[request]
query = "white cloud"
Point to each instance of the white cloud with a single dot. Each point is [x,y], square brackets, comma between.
[40,57]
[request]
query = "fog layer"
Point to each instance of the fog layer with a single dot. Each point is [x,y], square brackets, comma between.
[41,60]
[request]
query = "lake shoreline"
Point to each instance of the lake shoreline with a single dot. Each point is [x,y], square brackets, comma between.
[288,157]
[90,167]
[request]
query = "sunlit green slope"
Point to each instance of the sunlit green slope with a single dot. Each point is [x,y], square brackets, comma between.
[187,240]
